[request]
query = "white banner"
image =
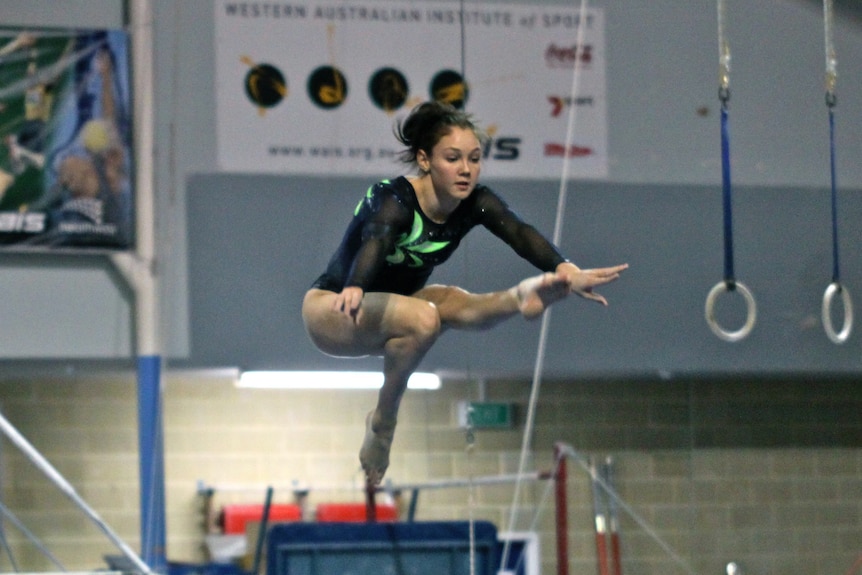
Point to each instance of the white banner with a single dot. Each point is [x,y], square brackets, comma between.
[316,87]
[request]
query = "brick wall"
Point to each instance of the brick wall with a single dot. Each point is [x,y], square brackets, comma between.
[764,472]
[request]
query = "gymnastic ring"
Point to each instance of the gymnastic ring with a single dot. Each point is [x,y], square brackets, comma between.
[751,314]
[847,327]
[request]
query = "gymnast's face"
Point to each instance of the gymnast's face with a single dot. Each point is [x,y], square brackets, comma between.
[453,164]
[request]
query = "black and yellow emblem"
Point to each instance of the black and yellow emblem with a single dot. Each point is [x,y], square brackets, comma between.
[327,87]
[265,85]
[450,87]
[388,89]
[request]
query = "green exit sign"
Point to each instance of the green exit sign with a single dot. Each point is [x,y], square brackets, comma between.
[485,415]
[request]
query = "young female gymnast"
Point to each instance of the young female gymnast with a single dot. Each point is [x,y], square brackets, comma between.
[373,299]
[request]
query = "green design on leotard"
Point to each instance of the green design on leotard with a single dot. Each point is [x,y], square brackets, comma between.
[408,245]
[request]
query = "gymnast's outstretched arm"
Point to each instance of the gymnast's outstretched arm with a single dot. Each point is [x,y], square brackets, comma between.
[530,244]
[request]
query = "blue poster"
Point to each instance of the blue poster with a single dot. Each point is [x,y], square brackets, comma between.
[65,140]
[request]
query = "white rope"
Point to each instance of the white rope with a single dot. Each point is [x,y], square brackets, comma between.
[471,492]
[829,45]
[546,317]
[723,48]
[470,436]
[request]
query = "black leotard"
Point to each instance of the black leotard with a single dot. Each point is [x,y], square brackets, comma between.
[392,246]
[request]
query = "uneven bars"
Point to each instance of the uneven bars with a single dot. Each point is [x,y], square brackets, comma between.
[204,488]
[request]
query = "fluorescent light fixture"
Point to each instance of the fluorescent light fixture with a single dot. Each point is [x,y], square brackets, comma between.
[329,380]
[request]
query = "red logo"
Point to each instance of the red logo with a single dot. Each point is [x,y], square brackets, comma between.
[559,103]
[568,56]
[555,149]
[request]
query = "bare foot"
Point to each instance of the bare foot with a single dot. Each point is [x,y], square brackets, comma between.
[535,294]
[374,454]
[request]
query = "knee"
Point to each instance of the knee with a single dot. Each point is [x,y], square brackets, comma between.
[314,307]
[426,325]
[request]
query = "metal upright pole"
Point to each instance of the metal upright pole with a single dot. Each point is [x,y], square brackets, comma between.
[140,272]
[562,509]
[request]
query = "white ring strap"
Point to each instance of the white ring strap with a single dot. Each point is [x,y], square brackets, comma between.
[751,311]
[847,327]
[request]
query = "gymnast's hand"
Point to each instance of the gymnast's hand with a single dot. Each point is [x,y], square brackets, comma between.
[349,301]
[582,282]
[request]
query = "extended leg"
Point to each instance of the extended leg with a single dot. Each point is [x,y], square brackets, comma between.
[461,309]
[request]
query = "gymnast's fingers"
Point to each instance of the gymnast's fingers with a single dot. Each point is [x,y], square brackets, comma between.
[612,272]
[593,296]
[600,276]
[348,301]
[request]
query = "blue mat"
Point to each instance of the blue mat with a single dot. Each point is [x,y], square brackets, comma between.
[418,548]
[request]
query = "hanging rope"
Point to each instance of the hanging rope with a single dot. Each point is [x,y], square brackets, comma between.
[835,287]
[470,439]
[464,54]
[546,317]
[729,282]
[469,435]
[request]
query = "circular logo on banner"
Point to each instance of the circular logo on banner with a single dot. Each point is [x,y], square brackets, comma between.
[327,87]
[448,86]
[265,85]
[388,89]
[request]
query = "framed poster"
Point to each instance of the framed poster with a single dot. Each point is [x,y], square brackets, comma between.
[66,153]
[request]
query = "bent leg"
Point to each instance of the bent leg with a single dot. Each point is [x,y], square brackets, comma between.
[461,309]
[401,329]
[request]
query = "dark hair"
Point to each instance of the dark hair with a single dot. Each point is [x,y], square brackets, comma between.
[427,124]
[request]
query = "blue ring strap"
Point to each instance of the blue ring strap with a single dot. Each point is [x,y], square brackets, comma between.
[836,270]
[727,197]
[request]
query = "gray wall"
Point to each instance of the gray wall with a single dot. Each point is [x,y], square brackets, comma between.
[245,310]
[659,210]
